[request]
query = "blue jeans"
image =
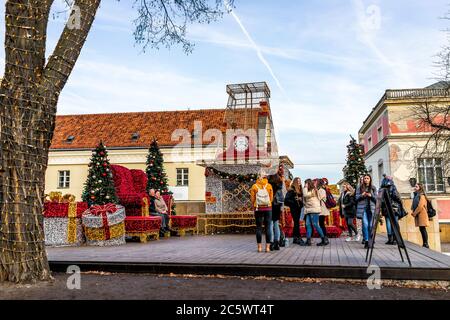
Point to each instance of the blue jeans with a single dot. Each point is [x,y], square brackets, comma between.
[276,231]
[313,219]
[366,225]
[389,227]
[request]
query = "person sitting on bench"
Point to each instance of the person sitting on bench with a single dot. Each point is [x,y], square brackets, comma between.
[157,209]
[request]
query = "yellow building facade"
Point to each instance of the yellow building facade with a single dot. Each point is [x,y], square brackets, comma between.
[186,139]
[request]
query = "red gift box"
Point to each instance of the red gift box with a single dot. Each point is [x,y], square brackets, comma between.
[61,209]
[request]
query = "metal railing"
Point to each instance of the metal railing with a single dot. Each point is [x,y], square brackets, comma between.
[416,93]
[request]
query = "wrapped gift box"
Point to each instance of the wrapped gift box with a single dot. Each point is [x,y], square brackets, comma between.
[62,223]
[104,225]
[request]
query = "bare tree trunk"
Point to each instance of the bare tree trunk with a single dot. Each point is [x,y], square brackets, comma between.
[28,97]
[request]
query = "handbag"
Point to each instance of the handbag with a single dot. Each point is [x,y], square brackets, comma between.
[279,198]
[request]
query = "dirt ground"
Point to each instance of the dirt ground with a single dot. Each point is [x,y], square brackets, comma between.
[95,285]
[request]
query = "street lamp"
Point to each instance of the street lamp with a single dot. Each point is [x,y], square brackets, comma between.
[413,182]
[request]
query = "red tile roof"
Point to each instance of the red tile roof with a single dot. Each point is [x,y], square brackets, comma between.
[116,129]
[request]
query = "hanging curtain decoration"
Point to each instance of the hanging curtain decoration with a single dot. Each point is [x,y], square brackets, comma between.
[231,176]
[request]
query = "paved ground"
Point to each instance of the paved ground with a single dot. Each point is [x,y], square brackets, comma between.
[241,249]
[141,286]
[445,247]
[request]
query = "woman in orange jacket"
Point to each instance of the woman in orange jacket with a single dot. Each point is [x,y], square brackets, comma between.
[420,212]
[262,196]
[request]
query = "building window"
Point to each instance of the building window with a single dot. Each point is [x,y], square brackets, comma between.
[183,177]
[63,179]
[380,134]
[369,142]
[431,174]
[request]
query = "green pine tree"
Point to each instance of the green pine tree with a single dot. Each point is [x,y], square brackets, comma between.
[355,167]
[157,178]
[99,186]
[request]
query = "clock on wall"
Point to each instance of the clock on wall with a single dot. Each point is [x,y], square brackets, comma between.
[241,143]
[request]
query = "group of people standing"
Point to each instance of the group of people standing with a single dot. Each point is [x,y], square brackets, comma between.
[309,203]
[270,193]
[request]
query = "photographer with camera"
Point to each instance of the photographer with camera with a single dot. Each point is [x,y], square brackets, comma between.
[397,207]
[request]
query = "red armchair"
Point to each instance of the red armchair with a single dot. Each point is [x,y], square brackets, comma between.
[130,188]
[132,196]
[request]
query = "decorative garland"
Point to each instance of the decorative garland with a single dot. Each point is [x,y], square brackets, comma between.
[251,177]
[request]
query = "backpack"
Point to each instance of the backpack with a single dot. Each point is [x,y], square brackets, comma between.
[330,202]
[262,197]
[430,210]
[279,197]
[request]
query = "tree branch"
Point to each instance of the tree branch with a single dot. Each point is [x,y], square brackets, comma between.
[68,49]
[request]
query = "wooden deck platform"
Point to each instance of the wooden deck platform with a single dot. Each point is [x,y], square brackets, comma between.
[237,255]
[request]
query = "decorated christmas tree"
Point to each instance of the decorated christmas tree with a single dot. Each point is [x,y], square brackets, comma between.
[355,167]
[157,178]
[99,186]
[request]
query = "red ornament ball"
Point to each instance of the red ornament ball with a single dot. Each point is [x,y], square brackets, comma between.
[104,174]
[93,197]
[105,164]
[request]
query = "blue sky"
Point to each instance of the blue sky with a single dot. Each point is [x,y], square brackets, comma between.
[327,63]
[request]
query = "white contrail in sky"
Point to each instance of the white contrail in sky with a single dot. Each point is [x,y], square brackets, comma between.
[253,44]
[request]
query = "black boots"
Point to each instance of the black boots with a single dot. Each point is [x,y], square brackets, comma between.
[324,242]
[390,240]
[366,244]
[425,245]
[307,243]
[276,246]
[298,241]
